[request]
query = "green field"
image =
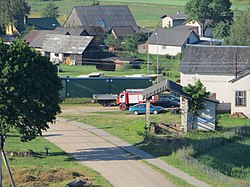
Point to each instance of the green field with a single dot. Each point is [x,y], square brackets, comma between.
[221,150]
[146,12]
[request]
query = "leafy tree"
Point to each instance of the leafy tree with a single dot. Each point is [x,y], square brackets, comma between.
[239,33]
[29,88]
[197,92]
[12,10]
[210,13]
[131,43]
[51,11]
[111,42]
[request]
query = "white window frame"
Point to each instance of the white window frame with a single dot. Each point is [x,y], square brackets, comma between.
[240,98]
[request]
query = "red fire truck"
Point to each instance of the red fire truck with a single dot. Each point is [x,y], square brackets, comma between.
[131,97]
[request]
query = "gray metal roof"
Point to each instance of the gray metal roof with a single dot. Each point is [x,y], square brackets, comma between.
[107,16]
[170,36]
[66,44]
[123,31]
[162,86]
[36,38]
[70,31]
[176,16]
[215,59]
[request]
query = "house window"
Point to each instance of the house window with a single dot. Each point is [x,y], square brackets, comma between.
[240,98]
[163,47]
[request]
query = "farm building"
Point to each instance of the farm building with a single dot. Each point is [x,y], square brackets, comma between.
[173,20]
[106,17]
[224,71]
[74,50]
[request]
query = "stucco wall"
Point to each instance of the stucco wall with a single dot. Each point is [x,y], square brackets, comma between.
[218,84]
[195,24]
[167,22]
[241,85]
[170,50]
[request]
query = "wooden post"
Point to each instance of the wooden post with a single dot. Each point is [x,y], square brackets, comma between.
[184,114]
[147,114]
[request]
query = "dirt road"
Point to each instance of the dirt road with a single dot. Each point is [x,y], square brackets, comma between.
[119,167]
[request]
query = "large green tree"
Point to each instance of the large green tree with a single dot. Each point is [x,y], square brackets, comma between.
[239,33]
[50,11]
[210,13]
[29,91]
[12,10]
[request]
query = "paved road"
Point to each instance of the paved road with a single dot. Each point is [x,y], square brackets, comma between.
[119,167]
[119,162]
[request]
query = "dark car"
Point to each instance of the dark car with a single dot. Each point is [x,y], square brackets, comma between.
[168,102]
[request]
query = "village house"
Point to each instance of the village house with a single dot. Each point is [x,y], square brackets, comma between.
[224,71]
[111,18]
[36,23]
[173,20]
[171,41]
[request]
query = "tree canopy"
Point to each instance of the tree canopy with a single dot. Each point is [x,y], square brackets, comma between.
[50,11]
[29,88]
[111,42]
[239,33]
[12,10]
[210,13]
[197,92]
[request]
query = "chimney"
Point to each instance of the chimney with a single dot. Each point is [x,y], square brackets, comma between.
[25,20]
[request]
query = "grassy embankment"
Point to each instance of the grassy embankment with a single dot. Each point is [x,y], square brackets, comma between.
[221,150]
[56,169]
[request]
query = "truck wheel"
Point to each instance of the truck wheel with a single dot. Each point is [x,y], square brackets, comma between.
[123,106]
[155,112]
[136,112]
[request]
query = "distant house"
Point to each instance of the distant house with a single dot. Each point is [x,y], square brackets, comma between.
[224,71]
[37,23]
[170,41]
[7,39]
[73,50]
[173,20]
[106,17]
[199,28]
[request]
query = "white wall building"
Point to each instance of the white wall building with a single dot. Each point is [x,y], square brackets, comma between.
[170,41]
[224,71]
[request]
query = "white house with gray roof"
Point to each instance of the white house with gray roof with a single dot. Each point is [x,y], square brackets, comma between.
[173,20]
[224,71]
[171,41]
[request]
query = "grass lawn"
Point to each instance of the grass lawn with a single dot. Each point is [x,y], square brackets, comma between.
[170,68]
[54,170]
[206,145]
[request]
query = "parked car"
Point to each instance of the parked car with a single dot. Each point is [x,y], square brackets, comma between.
[141,109]
[168,101]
